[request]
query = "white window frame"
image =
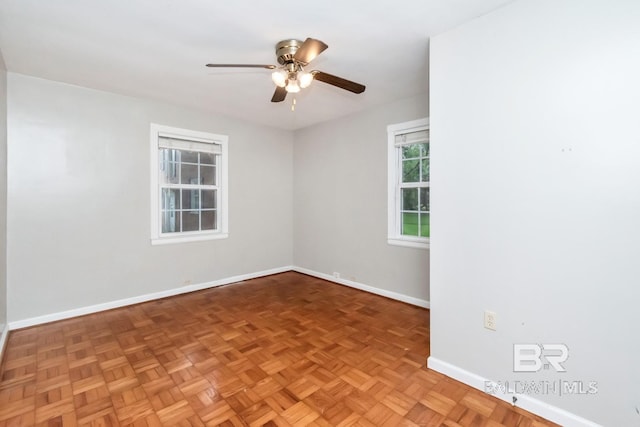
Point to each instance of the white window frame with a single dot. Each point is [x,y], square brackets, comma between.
[394,174]
[222,232]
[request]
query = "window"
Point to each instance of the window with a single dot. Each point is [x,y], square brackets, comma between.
[408,192]
[188,185]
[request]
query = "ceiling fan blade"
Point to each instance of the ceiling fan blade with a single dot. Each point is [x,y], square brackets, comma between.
[268,67]
[309,50]
[279,95]
[338,82]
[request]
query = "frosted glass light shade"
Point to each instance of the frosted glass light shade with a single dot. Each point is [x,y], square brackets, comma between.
[279,77]
[305,79]
[292,86]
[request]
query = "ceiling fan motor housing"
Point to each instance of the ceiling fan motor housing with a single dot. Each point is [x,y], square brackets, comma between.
[285,50]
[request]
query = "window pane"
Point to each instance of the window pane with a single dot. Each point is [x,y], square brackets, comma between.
[411,151]
[424,199]
[410,199]
[208,158]
[425,229]
[208,199]
[208,175]
[170,199]
[424,150]
[188,156]
[191,199]
[169,173]
[190,221]
[170,221]
[410,170]
[189,174]
[168,166]
[425,170]
[209,220]
[169,155]
[409,224]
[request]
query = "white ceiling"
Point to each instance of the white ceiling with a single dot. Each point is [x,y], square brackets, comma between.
[158,48]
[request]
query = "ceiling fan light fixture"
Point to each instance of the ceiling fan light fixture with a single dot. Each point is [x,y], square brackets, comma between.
[290,76]
[292,86]
[279,77]
[304,79]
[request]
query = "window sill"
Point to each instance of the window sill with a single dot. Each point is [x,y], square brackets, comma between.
[409,243]
[185,239]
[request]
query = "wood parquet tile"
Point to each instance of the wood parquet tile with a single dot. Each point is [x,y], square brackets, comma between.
[283,350]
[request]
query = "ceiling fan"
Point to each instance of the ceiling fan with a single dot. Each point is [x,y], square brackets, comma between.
[290,76]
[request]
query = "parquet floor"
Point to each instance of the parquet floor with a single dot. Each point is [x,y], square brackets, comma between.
[283,350]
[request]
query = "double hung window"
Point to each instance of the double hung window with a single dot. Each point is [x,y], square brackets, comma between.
[408,190]
[189,185]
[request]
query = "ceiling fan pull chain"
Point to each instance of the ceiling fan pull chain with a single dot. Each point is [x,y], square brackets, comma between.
[293,104]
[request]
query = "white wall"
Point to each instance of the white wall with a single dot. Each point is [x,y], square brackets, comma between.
[536,196]
[78,196]
[3,199]
[340,202]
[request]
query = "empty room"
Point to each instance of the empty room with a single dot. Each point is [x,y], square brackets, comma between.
[409,213]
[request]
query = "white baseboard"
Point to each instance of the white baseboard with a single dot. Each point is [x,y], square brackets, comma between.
[385,293]
[3,340]
[528,403]
[25,323]
[18,324]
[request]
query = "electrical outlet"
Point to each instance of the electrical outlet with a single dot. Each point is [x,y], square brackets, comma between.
[490,320]
[336,275]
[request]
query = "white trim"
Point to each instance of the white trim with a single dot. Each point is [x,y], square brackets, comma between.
[222,169]
[409,243]
[352,284]
[410,126]
[183,238]
[3,340]
[18,324]
[526,402]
